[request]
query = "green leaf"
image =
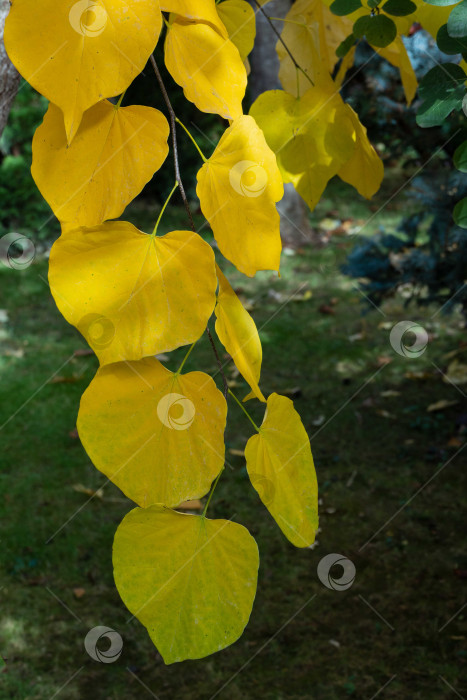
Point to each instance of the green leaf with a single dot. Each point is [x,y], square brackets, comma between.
[460,213]
[449,44]
[441,90]
[345,7]
[373,3]
[345,46]
[460,157]
[190,580]
[457,22]
[378,30]
[399,8]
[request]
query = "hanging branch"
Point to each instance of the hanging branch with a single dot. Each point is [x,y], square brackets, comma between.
[173,129]
[291,56]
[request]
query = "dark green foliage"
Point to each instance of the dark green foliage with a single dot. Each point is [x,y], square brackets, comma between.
[23,208]
[428,256]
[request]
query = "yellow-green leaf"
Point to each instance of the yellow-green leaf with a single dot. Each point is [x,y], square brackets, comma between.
[238,188]
[130,294]
[191,581]
[280,465]
[238,334]
[78,52]
[312,137]
[114,154]
[365,169]
[157,435]
[207,66]
[240,21]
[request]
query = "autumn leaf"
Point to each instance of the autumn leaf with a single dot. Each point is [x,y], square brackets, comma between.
[280,466]
[157,435]
[207,66]
[365,169]
[77,53]
[204,11]
[240,21]
[114,154]
[237,333]
[312,137]
[238,188]
[191,581]
[130,294]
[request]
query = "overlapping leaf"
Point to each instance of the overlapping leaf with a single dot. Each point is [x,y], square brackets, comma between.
[157,435]
[238,334]
[280,466]
[114,154]
[78,52]
[238,188]
[312,137]
[207,66]
[190,580]
[239,19]
[365,169]
[130,294]
[197,11]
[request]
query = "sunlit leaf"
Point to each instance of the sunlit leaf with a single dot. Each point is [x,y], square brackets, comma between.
[114,154]
[77,53]
[191,581]
[239,19]
[238,334]
[157,435]
[130,294]
[312,137]
[397,55]
[198,11]
[280,465]
[207,67]
[238,188]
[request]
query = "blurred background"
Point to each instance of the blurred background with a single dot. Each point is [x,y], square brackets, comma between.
[387,422]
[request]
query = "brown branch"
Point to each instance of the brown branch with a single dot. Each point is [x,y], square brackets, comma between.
[173,129]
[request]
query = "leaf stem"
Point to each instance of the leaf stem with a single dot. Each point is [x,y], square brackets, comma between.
[173,129]
[185,358]
[117,106]
[244,411]
[203,514]
[164,208]
[192,138]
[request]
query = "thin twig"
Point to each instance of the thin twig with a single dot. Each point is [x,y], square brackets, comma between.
[173,128]
[277,33]
[219,363]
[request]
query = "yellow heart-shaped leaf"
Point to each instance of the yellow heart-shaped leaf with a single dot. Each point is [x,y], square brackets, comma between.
[238,188]
[77,52]
[130,294]
[191,581]
[207,66]
[157,435]
[114,154]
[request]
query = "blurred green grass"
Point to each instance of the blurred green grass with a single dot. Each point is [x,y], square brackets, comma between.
[374,444]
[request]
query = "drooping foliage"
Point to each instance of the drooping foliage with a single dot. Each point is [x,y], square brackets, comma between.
[159,435]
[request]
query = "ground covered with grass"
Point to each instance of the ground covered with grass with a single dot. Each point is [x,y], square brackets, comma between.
[387,433]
